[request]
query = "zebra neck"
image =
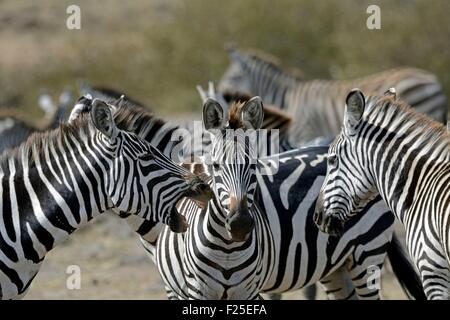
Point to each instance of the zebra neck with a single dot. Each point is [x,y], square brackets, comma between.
[272,85]
[402,159]
[46,196]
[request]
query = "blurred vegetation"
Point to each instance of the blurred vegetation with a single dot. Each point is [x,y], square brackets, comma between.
[157,51]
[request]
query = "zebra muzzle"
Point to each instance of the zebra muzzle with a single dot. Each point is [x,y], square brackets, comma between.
[240,225]
[199,191]
[328,223]
[177,222]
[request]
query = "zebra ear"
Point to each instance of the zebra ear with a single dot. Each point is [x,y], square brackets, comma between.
[354,108]
[102,118]
[212,114]
[252,113]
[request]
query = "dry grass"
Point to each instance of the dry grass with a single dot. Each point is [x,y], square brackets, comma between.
[159,50]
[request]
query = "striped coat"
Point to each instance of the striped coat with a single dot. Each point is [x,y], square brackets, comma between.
[316,105]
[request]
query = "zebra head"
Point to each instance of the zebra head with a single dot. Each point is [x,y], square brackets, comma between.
[138,178]
[236,77]
[233,161]
[348,185]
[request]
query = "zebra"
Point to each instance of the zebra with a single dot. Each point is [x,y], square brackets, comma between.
[386,148]
[160,134]
[14,131]
[316,104]
[308,164]
[257,234]
[59,180]
[274,118]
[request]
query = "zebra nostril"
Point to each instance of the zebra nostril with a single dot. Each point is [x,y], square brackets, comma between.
[240,226]
[333,225]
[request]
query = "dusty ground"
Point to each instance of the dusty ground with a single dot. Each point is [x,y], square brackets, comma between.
[114,266]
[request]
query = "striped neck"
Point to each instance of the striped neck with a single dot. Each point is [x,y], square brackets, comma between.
[48,193]
[268,81]
[146,125]
[401,150]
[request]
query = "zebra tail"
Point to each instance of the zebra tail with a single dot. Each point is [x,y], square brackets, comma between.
[405,271]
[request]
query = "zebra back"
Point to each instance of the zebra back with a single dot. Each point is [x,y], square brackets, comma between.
[316,105]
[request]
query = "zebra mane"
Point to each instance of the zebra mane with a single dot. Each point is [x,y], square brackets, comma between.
[259,55]
[274,118]
[429,129]
[39,141]
[267,59]
[116,95]
[131,117]
[235,121]
[134,118]
[231,96]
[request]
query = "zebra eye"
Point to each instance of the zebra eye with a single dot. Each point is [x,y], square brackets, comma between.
[216,166]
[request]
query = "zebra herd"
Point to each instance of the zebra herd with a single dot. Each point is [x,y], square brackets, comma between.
[232,224]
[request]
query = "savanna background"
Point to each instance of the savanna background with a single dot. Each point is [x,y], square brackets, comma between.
[158,50]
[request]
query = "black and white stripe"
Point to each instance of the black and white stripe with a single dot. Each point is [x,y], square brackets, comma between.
[293,191]
[386,148]
[280,249]
[316,105]
[59,180]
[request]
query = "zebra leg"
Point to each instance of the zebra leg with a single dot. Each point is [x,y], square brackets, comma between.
[435,280]
[367,280]
[339,285]
[171,295]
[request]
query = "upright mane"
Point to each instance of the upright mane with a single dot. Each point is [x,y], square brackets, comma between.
[271,61]
[116,94]
[235,121]
[135,118]
[39,141]
[404,115]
